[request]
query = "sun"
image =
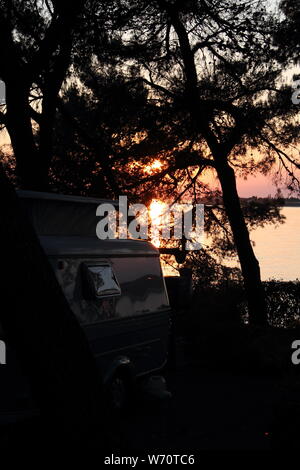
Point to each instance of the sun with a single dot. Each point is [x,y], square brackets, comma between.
[156,165]
[153,167]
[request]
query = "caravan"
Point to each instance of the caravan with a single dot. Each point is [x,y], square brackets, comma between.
[115,288]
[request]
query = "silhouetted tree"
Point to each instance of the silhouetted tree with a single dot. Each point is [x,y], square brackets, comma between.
[37,39]
[288,33]
[214,64]
[206,83]
[36,44]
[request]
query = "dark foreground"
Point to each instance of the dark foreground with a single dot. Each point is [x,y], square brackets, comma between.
[208,411]
[214,406]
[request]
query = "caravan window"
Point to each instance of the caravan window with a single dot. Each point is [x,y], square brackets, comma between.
[101,281]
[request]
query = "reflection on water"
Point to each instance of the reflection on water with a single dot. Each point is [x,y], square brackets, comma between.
[278,248]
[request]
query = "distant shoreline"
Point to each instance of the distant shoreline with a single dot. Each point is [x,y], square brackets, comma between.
[291,204]
[294,202]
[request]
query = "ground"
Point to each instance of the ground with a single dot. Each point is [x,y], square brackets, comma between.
[243,394]
[208,411]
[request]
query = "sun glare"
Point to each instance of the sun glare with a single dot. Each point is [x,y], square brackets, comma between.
[157,208]
[156,211]
[153,167]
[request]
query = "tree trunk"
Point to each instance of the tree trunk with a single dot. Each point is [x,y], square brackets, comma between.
[200,118]
[50,344]
[249,264]
[46,132]
[30,168]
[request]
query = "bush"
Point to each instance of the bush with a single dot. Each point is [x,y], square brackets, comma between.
[283,303]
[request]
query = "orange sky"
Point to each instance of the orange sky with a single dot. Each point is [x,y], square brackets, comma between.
[258,185]
[254,186]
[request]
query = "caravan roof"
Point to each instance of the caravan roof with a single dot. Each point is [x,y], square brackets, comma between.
[67,225]
[63,197]
[58,214]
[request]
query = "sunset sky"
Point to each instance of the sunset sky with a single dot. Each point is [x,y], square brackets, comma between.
[254,186]
[259,185]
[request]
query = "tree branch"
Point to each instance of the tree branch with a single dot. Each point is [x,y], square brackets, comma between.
[279,152]
[158,88]
[35,115]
